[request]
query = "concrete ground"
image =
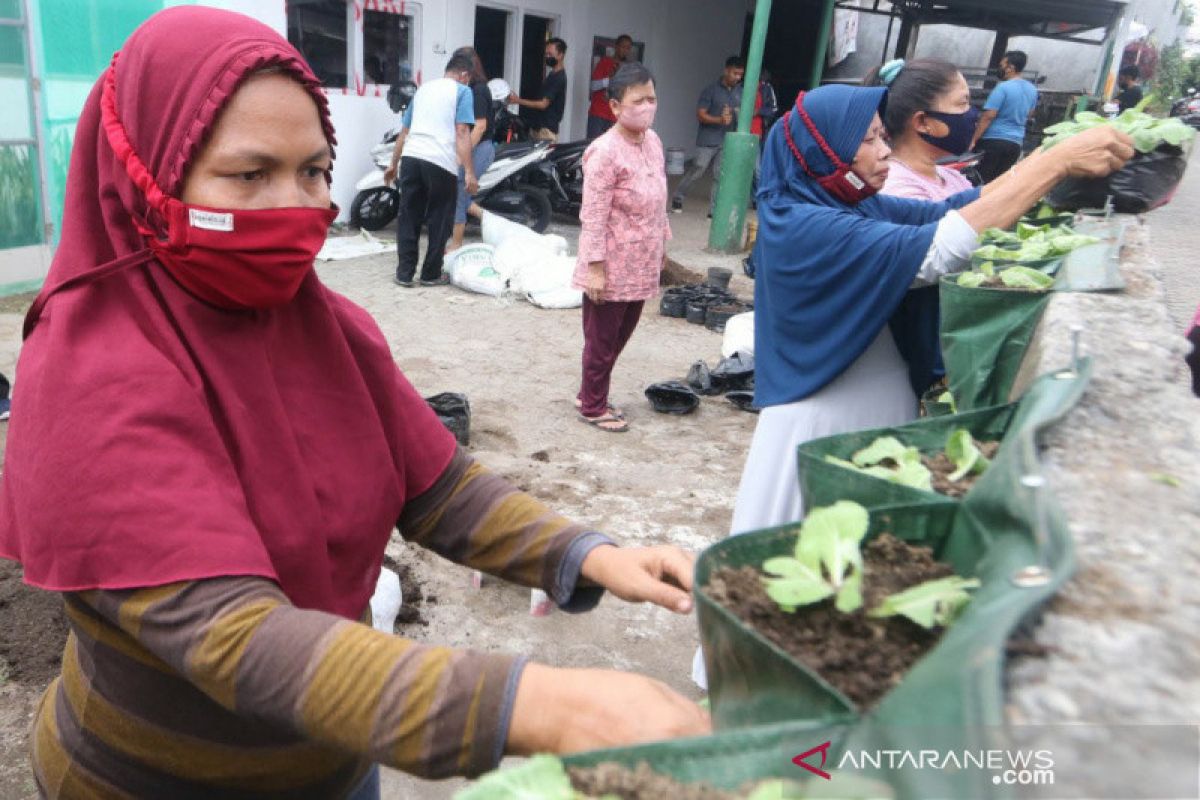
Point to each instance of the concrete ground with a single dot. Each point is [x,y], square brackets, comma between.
[1175,245]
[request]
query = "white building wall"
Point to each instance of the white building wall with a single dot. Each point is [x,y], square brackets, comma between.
[687,42]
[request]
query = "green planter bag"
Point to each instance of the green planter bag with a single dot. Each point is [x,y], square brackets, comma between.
[1008,532]
[985,333]
[823,483]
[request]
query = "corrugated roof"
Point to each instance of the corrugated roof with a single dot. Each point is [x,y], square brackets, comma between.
[1052,18]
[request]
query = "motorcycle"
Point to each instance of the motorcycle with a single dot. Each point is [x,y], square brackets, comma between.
[561,177]
[967,164]
[502,188]
[1187,108]
[507,126]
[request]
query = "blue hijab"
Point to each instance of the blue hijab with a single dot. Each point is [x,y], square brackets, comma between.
[831,274]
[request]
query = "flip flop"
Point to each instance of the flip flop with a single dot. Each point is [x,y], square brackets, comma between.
[613,410]
[620,425]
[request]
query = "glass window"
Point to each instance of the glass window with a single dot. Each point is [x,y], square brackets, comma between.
[317,28]
[20,222]
[387,47]
[10,9]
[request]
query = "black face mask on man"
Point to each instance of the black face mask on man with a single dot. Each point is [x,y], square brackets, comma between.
[551,61]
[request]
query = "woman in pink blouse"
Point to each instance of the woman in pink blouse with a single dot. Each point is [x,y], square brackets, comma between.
[623,242]
[929,116]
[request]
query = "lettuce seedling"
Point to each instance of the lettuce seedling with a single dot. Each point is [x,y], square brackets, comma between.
[1148,132]
[827,560]
[1026,278]
[929,604]
[948,399]
[961,449]
[908,469]
[542,777]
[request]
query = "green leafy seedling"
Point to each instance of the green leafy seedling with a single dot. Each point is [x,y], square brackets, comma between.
[908,469]
[948,399]
[961,449]
[929,604]
[1026,278]
[542,777]
[827,560]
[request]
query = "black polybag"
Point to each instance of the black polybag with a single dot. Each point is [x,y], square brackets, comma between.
[454,412]
[701,380]
[735,372]
[1146,182]
[672,397]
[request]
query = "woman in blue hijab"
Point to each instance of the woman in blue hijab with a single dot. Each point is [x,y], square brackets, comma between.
[841,343]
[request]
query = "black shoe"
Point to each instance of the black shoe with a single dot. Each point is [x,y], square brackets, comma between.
[401,282]
[440,280]
[710,215]
[676,206]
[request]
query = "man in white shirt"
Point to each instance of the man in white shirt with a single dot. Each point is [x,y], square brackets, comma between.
[435,139]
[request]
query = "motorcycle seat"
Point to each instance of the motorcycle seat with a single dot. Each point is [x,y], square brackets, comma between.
[514,149]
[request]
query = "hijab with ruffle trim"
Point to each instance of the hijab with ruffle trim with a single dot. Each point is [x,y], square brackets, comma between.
[156,438]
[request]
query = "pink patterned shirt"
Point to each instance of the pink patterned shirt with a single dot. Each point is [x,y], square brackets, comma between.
[624,215]
[902,181]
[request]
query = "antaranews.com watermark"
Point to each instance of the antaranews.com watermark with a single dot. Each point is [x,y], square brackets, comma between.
[1067,762]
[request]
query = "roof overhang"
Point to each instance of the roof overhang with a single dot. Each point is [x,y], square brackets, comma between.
[1054,19]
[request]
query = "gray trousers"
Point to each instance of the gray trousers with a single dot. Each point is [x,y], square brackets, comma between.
[704,157]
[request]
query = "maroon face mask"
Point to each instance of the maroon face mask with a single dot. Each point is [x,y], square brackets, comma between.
[843,184]
[235,259]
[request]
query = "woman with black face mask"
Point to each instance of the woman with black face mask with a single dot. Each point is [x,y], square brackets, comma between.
[928,117]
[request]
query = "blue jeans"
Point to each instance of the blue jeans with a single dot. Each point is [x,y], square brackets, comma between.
[481,158]
[369,788]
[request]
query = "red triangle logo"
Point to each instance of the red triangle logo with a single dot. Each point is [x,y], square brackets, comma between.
[823,749]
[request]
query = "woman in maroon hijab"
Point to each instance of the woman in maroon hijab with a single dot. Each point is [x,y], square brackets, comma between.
[173,471]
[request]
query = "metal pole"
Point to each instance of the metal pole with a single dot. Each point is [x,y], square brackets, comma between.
[740,149]
[822,44]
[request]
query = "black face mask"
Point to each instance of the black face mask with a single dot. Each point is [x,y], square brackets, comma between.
[1000,73]
[551,61]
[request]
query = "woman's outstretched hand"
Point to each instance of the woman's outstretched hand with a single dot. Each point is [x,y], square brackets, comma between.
[1094,153]
[568,710]
[661,575]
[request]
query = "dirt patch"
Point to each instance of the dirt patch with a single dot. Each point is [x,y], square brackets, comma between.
[17,303]
[862,657]
[676,274]
[942,468]
[412,588]
[614,780]
[34,629]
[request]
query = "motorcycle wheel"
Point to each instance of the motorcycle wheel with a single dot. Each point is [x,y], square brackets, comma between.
[534,212]
[373,209]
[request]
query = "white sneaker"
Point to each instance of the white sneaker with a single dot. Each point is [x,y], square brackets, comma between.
[5,406]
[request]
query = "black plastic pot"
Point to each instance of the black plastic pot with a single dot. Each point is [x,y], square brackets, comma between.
[696,312]
[735,373]
[716,316]
[743,399]
[700,379]
[673,305]
[719,277]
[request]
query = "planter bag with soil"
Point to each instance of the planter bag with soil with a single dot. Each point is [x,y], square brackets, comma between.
[1148,181]
[823,483]
[985,333]
[726,760]
[1009,535]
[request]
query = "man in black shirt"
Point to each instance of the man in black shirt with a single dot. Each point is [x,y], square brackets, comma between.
[553,101]
[1131,93]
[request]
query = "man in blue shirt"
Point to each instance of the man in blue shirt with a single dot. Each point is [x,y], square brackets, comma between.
[1001,130]
[435,140]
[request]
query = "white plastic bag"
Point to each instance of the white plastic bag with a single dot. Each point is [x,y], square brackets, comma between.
[473,268]
[547,283]
[739,335]
[386,602]
[496,230]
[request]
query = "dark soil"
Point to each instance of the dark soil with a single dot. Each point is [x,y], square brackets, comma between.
[413,592]
[34,630]
[640,784]
[942,468]
[860,656]
[675,274]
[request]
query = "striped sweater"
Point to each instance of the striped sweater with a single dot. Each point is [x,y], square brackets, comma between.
[222,688]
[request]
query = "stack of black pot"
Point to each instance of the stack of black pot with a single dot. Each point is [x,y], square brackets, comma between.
[710,304]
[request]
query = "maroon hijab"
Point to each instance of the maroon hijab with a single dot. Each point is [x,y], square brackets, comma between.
[156,438]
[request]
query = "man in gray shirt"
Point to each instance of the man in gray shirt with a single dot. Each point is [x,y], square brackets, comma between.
[717,113]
